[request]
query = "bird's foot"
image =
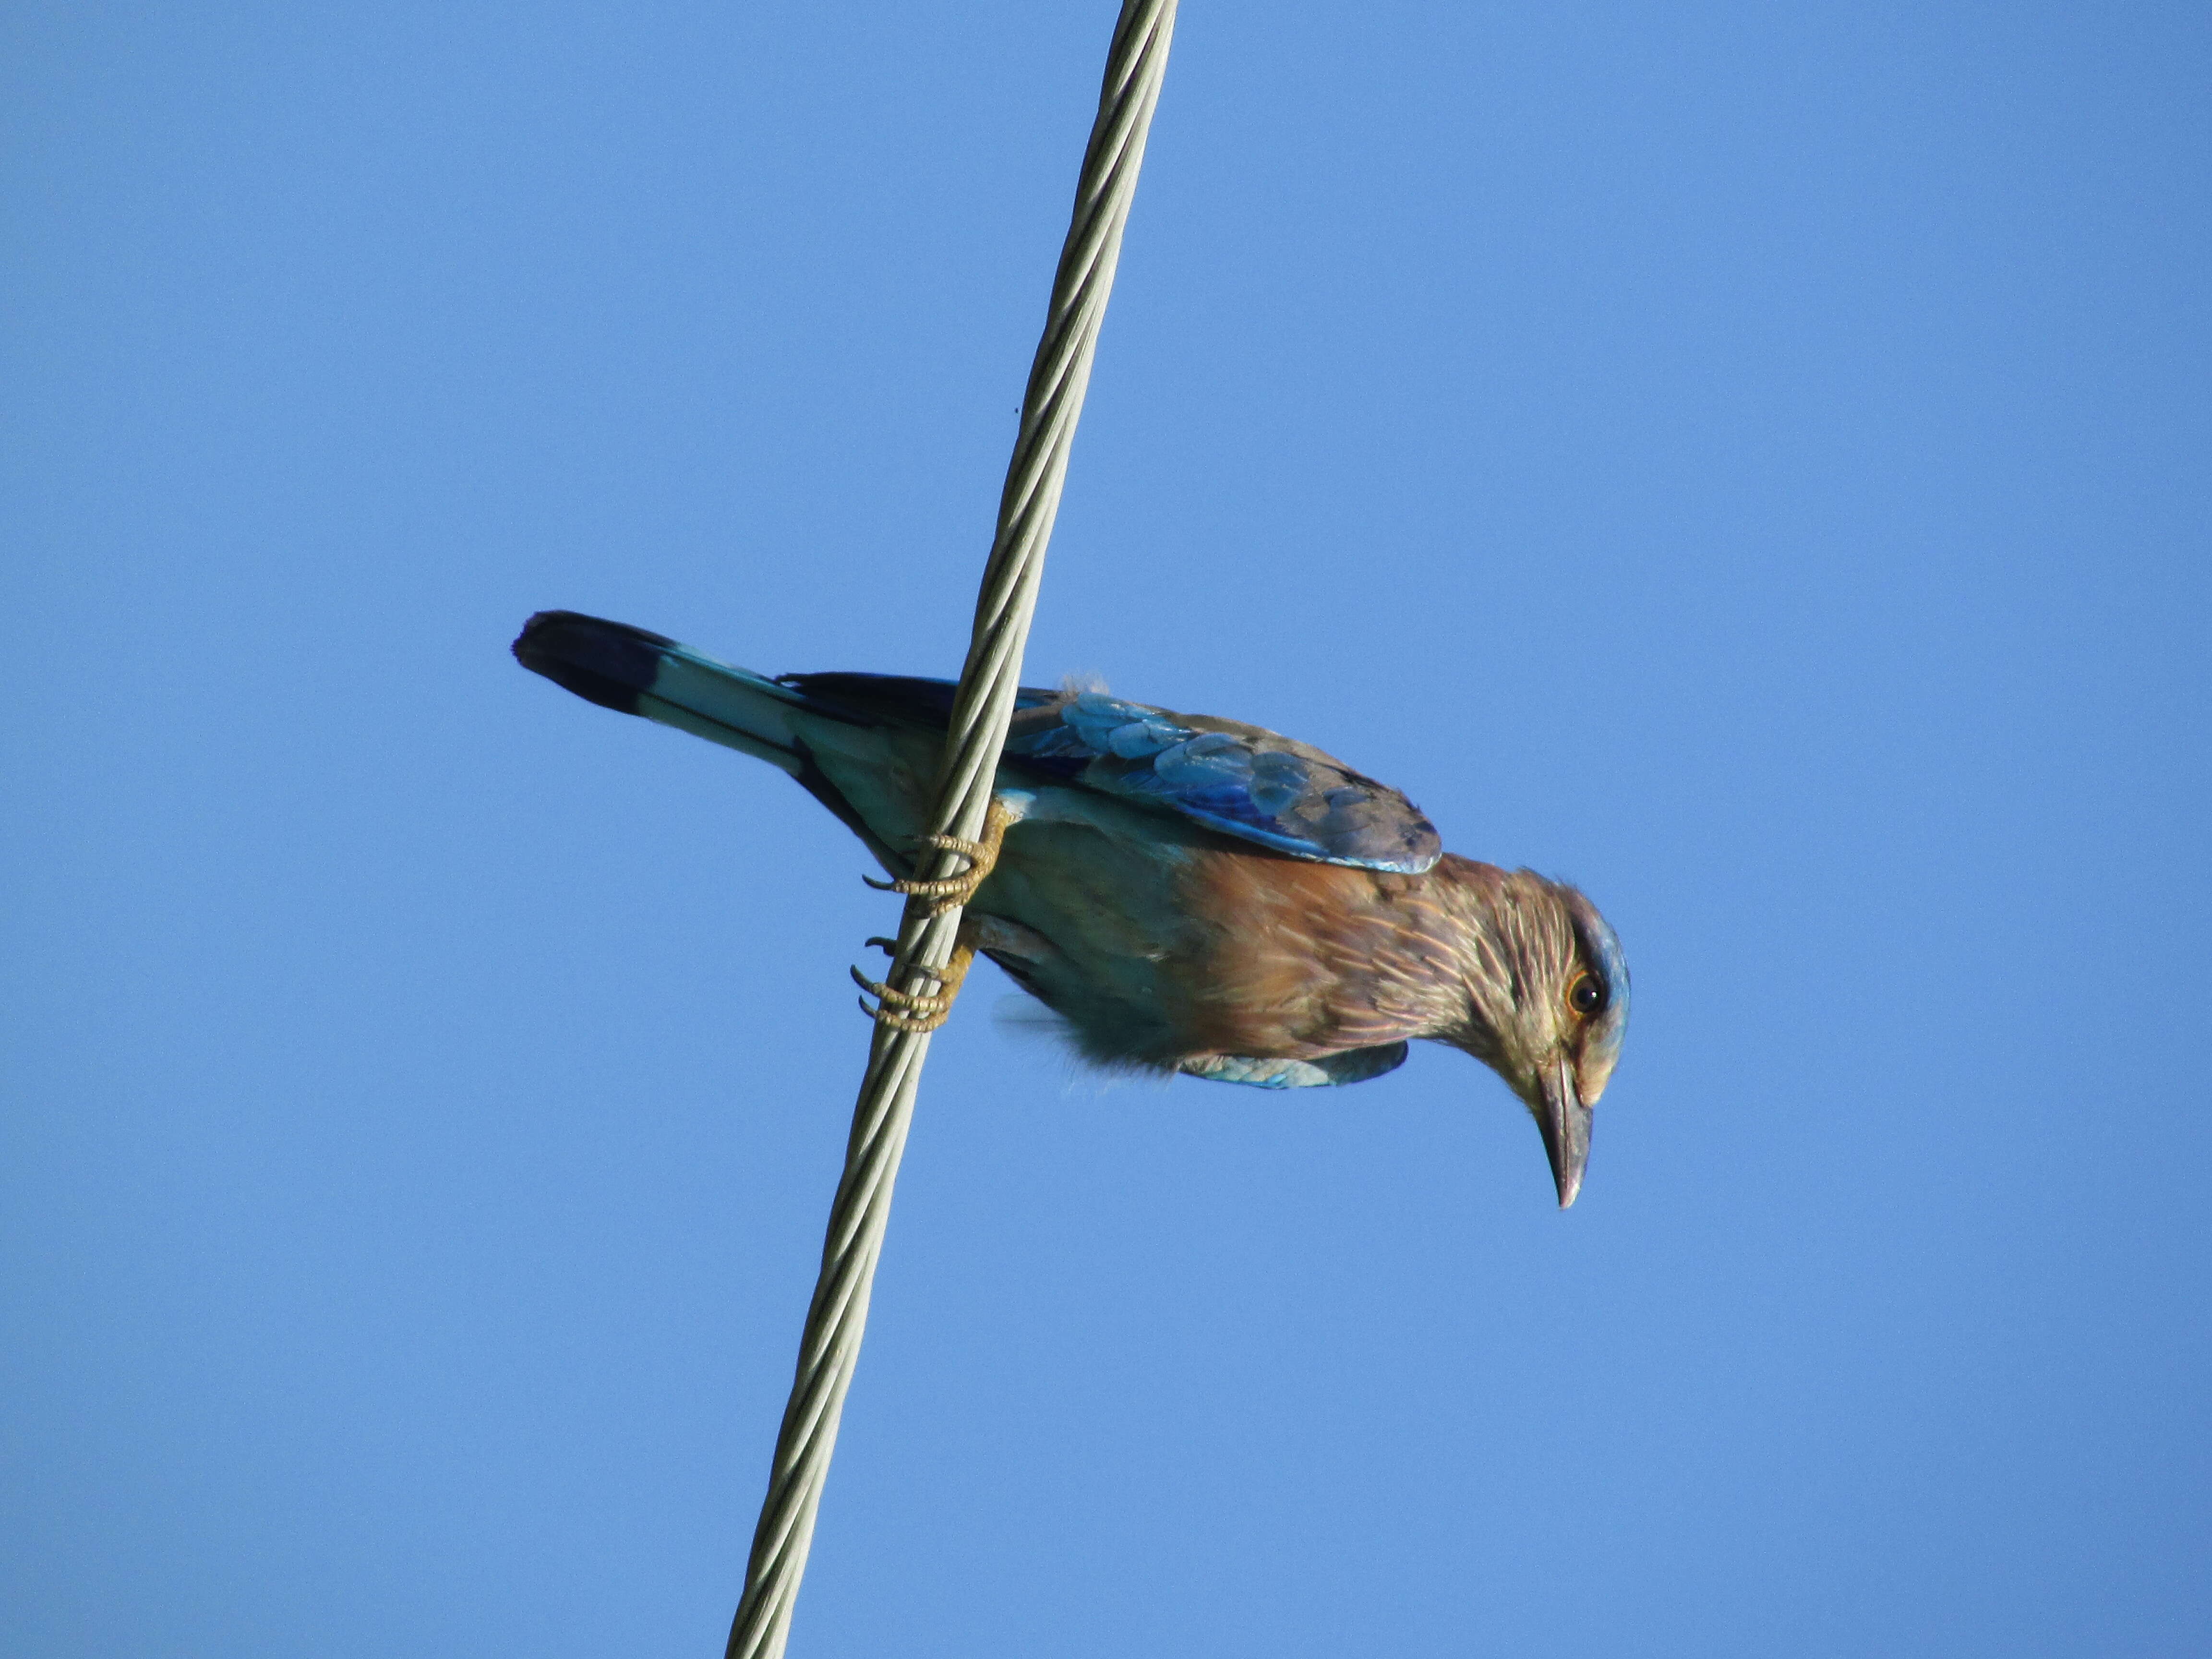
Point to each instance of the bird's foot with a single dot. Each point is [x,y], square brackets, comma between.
[950,892]
[917,1011]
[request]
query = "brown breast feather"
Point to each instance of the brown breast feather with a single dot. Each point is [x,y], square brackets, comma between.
[1298,959]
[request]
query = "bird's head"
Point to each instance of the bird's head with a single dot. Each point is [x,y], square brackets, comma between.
[1547,1002]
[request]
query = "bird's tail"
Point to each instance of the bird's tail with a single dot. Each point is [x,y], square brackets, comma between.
[636,672]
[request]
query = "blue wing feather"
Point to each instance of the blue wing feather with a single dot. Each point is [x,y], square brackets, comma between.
[1353,1066]
[1240,780]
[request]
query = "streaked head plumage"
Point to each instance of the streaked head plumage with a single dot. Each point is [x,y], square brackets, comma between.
[1547,999]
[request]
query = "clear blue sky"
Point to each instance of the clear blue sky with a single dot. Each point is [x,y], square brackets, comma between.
[1750,459]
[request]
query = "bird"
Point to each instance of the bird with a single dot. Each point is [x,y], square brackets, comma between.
[1187,895]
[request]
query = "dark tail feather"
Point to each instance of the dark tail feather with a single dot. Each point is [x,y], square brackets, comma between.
[635,672]
[606,663]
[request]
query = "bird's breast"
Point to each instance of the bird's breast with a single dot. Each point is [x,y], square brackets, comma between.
[1302,959]
[1157,940]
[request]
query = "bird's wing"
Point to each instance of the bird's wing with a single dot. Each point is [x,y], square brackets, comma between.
[1353,1066]
[1240,780]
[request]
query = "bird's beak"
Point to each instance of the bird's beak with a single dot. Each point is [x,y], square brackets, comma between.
[1564,1122]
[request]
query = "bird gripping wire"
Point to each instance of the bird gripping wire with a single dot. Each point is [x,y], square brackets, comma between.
[982,706]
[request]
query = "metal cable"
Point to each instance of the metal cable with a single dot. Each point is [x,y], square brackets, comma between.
[982,709]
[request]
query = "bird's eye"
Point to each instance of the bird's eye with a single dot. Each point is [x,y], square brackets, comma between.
[1586,996]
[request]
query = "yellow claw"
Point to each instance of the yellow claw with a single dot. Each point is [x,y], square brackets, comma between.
[950,892]
[918,1011]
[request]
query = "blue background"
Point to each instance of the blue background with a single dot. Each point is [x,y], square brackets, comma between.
[1749,459]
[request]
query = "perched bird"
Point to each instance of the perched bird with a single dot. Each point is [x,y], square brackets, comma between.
[1188,894]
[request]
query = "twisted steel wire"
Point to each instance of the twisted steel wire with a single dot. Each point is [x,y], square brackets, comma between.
[1051,404]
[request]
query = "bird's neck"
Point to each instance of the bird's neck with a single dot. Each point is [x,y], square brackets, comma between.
[1465,914]
[1411,953]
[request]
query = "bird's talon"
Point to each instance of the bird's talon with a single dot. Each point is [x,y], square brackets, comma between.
[975,851]
[920,1027]
[918,1011]
[931,889]
[923,1002]
[919,1024]
[950,892]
